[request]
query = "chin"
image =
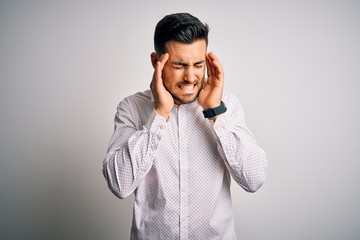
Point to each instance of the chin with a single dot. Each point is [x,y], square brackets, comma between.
[185,99]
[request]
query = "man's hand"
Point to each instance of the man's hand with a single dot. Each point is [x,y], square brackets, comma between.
[164,102]
[210,95]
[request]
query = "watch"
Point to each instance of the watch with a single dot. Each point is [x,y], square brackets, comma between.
[212,112]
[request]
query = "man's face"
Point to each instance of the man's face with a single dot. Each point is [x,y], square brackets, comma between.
[183,73]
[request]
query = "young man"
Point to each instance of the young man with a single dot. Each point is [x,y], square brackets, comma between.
[176,146]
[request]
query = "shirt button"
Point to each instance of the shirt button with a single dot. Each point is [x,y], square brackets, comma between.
[162,127]
[183,189]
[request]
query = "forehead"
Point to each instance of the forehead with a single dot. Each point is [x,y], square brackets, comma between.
[186,52]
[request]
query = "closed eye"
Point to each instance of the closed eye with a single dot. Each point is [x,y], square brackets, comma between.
[178,66]
[199,64]
[181,65]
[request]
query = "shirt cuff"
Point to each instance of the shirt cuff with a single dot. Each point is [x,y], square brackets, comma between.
[224,123]
[156,125]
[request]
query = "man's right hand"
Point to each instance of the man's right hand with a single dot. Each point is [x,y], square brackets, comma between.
[164,102]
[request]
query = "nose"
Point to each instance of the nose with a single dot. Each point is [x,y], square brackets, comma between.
[189,75]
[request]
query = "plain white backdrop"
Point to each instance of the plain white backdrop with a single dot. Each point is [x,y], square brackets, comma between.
[65,65]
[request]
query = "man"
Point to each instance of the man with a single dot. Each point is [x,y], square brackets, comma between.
[176,146]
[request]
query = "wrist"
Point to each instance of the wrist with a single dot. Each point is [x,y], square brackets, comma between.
[211,105]
[161,113]
[212,113]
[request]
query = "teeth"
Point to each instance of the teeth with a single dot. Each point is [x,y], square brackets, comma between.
[187,87]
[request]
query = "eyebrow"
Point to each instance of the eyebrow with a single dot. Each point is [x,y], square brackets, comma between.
[185,64]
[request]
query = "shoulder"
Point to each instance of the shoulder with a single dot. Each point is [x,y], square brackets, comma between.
[137,98]
[136,104]
[144,96]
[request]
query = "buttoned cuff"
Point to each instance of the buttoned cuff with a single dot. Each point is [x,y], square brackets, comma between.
[224,123]
[156,125]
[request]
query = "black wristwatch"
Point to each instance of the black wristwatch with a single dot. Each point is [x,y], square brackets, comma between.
[212,112]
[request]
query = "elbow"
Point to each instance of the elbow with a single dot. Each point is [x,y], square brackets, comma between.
[119,194]
[114,183]
[254,184]
[254,181]
[252,188]
[116,189]
[258,179]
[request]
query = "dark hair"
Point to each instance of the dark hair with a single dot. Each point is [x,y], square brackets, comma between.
[182,27]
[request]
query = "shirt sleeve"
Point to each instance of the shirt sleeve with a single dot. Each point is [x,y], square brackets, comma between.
[245,160]
[131,150]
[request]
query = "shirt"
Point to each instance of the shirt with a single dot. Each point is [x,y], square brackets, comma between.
[179,169]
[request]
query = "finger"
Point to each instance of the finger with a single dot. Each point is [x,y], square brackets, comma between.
[215,63]
[208,70]
[163,59]
[160,66]
[210,67]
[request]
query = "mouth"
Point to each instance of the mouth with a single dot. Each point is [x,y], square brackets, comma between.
[188,88]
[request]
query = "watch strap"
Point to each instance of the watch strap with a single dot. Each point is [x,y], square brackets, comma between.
[212,112]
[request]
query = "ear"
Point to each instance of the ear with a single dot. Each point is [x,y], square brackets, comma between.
[154,59]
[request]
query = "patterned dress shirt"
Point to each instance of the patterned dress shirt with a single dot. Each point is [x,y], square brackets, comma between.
[180,169]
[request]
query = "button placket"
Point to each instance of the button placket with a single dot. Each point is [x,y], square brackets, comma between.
[183,188]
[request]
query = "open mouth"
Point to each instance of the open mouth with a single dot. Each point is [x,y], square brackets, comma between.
[188,88]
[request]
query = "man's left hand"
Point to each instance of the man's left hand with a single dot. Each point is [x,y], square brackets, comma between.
[210,95]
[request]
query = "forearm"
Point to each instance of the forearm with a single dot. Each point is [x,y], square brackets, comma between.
[245,160]
[115,170]
[124,168]
[132,150]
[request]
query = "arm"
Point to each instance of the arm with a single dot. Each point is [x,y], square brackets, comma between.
[133,147]
[132,150]
[245,160]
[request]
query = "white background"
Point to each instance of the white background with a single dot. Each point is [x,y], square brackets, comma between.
[65,65]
